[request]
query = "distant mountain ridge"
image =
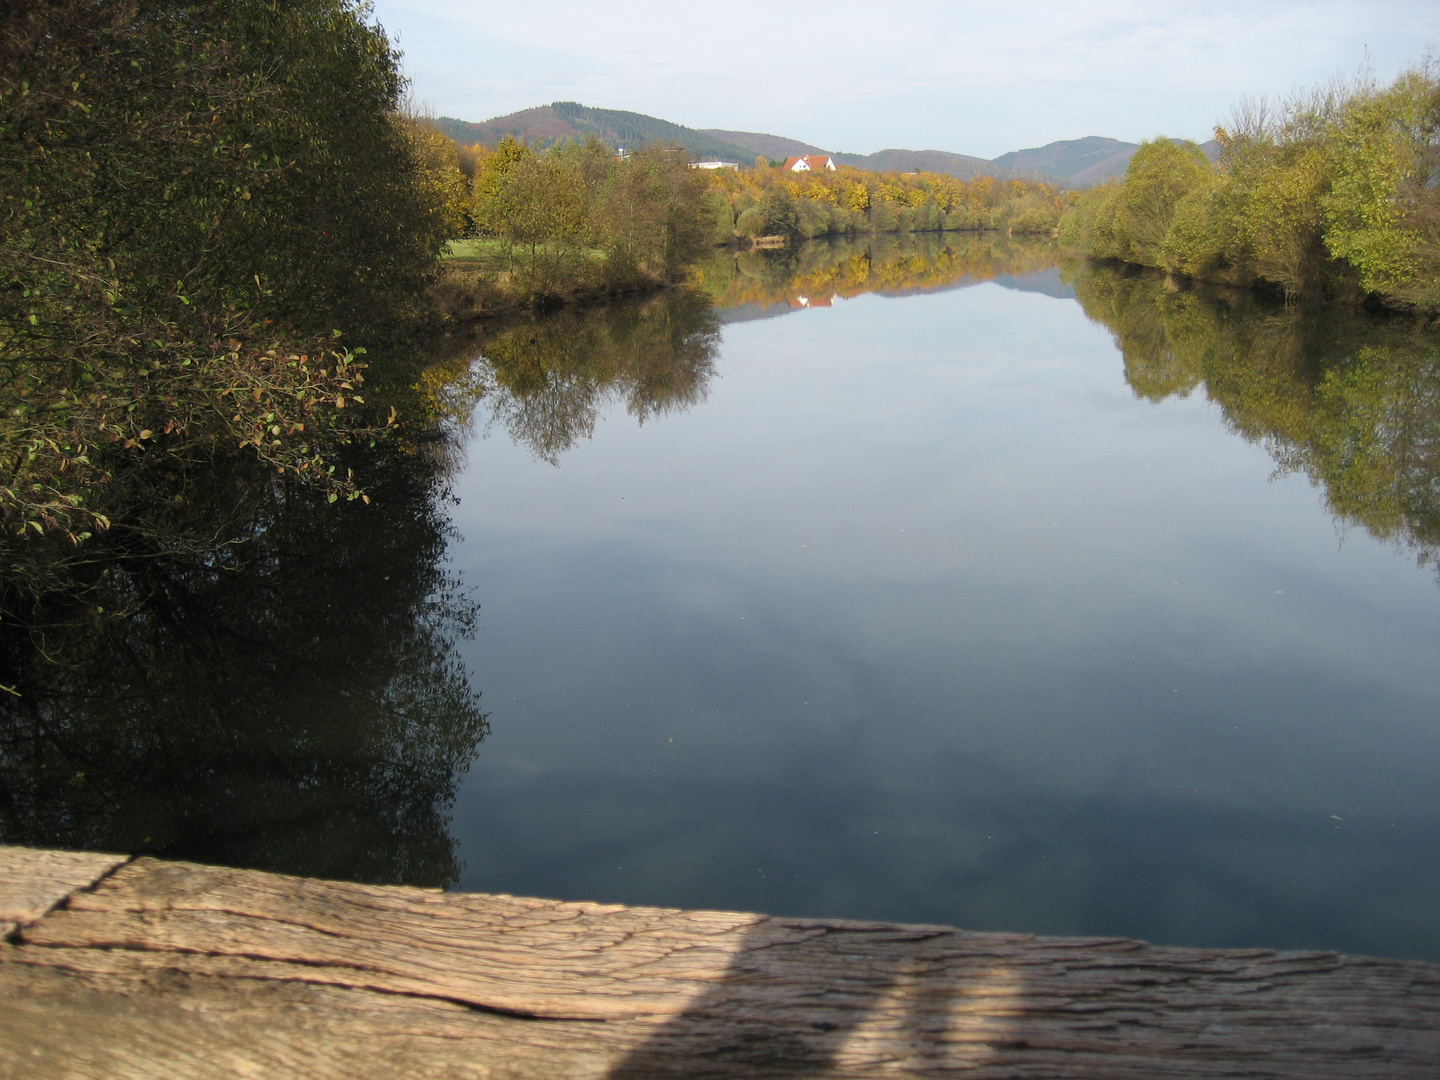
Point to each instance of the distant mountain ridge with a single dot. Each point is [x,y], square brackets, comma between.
[776,147]
[562,120]
[770,146]
[960,166]
[1081,162]
[1070,162]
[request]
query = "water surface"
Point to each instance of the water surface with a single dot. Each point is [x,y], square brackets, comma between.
[942,607]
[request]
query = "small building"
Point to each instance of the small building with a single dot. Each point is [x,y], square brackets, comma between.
[813,163]
[715,165]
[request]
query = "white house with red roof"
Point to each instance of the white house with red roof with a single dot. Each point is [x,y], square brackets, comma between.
[813,163]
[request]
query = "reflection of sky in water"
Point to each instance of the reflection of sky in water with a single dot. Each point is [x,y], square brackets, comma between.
[923,616]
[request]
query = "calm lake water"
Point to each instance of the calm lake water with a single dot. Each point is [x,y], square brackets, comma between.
[927,581]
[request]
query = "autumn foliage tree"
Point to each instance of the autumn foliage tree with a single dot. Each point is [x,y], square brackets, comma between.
[577,216]
[1335,194]
[440,171]
[767,201]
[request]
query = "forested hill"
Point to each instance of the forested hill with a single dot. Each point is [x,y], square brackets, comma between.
[569,120]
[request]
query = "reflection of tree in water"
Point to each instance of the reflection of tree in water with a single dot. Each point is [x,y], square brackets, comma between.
[547,380]
[289,699]
[883,262]
[1349,399]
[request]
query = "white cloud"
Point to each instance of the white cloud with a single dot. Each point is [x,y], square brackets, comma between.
[973,77]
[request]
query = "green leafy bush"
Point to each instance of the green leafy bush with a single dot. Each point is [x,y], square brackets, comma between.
[574,219]
[194,195]
[1335,195]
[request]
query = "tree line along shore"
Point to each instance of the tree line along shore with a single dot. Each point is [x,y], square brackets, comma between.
[1332,195]
[573,220]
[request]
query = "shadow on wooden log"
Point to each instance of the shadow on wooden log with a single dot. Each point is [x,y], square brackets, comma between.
[835,999]
[121,969]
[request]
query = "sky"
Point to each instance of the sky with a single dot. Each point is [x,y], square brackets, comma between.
[978,78]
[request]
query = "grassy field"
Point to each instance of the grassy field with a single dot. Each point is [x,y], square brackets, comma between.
[491,255]
[478,253]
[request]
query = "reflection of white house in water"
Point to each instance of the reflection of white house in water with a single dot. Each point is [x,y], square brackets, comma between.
[715,165]
[813,163]
[813,301]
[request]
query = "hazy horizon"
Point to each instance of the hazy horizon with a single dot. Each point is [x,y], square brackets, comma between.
[962,77]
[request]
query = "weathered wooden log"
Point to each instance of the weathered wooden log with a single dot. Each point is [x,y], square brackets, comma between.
[33,881]
[118,969]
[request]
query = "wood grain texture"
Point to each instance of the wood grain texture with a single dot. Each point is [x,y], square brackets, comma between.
[176,970]
[34,880]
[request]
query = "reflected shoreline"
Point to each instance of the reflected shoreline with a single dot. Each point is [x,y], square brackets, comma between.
[818,273]
[287,697]
[1349,399]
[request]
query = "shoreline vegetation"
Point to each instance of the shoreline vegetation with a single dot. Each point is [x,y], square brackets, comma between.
[1332,196]
[535,228]
[538,227]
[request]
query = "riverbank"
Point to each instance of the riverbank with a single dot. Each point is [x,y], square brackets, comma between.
[481,280]
[1238,287]
[125,968]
